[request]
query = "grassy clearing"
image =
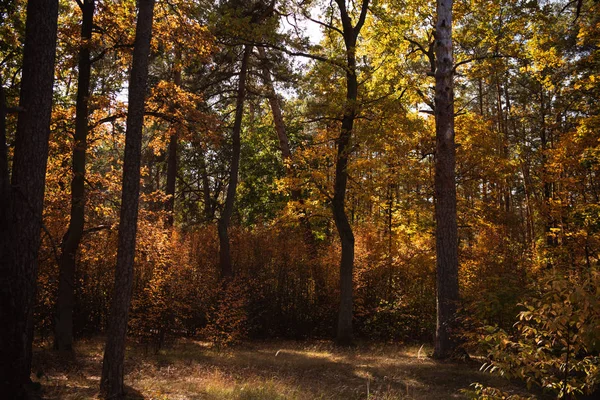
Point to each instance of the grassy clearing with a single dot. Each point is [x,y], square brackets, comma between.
[264,370]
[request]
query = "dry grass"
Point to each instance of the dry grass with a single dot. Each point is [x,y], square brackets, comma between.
[265,370]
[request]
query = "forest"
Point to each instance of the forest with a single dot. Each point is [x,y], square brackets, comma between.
[300,199]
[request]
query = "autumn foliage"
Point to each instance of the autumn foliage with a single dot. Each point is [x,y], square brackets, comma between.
[527,131]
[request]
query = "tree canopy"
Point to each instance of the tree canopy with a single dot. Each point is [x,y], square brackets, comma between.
[384,170]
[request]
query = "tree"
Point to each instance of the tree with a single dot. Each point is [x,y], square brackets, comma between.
[23,199]
[445,183]
[111,384]
[252,14]
[223,225]
[350,33]
[63,330]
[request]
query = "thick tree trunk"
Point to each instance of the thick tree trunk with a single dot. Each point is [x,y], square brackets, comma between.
[63,330]
[223,225]
[24,198]
[111,384]
[445,184]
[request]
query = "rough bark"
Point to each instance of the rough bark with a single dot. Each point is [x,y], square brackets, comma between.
[344,329]
[63,329]
[226,268]
[24,199]
[111,384]
[445,184]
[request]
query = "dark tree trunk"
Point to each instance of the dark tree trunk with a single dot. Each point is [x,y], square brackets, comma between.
[63,330]
[24,199]
[445,184]
[344,329]
[172,160]
[4,172]
[111,384]
[223,225]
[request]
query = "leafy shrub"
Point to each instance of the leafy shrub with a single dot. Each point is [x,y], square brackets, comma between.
[481,392]
[557,339]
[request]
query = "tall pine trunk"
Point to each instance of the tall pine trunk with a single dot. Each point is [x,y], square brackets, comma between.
[24,199]
[445,184]
[111,384]
[63,330]
[223,224]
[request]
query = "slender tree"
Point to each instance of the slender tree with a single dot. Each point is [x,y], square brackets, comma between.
[23,199]
[223,224]
[350,33]
[63,330]
[445,183]
[111,384]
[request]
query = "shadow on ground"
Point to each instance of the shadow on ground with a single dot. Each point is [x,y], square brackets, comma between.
[269,370]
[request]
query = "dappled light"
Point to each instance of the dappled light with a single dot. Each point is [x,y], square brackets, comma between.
[264,370]
[300,199]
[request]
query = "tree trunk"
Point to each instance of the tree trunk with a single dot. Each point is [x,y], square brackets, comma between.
[4,172]
[284,143]
[24,199]
[63,330]
[111,384]
[445,184]
[223,225]
[344,329]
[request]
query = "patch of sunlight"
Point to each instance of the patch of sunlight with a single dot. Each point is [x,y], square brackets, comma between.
[323,355]
[253,390]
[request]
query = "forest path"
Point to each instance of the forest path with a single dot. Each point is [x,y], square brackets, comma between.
[263,370]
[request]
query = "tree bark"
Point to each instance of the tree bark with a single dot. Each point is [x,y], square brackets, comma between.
[24,199]
[226,268]
[111,384]
[4,171]
[350,32]
[63,330]
[445,184]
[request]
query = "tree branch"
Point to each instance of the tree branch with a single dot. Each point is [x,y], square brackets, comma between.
[363,16]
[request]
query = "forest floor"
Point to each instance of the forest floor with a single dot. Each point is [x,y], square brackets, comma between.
[263,370]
